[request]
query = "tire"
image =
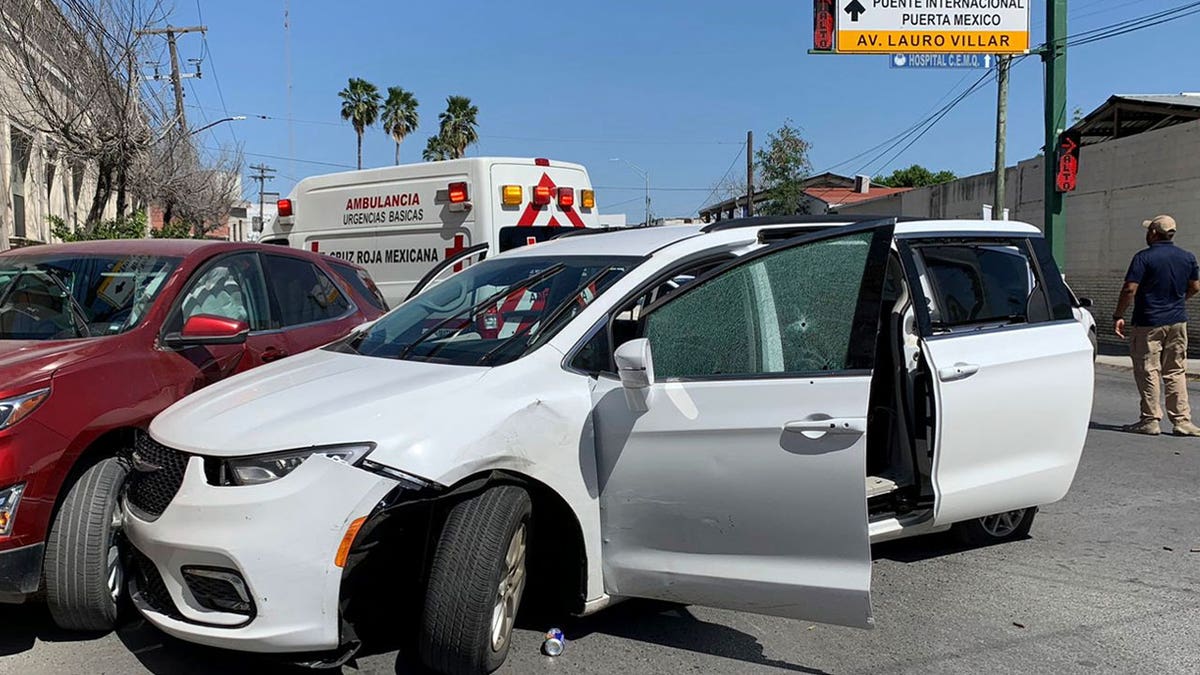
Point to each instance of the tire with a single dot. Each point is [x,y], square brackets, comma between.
[482,544]
[996,528]
[84,581]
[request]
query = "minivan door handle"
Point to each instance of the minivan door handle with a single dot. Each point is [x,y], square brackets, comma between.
[828,425]
[958,371]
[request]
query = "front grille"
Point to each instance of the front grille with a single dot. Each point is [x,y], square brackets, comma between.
[156,476]
[220,590]
[149,586]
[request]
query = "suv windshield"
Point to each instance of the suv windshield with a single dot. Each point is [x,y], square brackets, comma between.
[63,296]
[493,312]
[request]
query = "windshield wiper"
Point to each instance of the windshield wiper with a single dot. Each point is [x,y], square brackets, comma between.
[529,330]
[470,311]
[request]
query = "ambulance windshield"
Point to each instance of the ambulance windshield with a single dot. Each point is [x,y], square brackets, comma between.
[491,313]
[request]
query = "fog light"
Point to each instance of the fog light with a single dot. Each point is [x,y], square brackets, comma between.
[10,499]
[217,589]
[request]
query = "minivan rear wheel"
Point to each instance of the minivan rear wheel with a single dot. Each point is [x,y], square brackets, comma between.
[476,582]
[85,577]
[996,528]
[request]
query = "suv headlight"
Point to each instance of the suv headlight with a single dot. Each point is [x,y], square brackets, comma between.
[266,468]
[17,408]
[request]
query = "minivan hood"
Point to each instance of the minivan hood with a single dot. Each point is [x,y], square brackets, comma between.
[24,363]
[310,399]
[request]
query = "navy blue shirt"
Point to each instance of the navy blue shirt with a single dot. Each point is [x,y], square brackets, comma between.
[1162,272]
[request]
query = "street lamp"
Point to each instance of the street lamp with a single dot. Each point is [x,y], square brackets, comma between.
[210,125]
[645,176]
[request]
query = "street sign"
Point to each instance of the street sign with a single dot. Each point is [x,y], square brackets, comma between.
[1068,160]
[918,61]
[932,26]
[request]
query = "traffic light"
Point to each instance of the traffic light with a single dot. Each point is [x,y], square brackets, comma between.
[823,25]
[1068,160]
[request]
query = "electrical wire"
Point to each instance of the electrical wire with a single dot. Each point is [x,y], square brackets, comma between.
[725,175]
[206,55]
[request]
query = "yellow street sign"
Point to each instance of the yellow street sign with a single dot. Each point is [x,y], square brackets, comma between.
[932,26]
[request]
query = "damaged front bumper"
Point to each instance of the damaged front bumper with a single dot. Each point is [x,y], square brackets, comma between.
[252,568]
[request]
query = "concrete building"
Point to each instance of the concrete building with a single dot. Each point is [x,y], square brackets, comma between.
[1140,158]
[37,181]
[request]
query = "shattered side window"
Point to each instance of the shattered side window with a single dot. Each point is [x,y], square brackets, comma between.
[787,312]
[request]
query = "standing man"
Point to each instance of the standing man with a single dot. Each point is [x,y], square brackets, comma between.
[1160,279]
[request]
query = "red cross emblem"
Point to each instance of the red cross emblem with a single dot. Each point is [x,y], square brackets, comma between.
[454,250]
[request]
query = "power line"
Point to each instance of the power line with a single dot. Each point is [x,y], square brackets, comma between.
[1133,25]
[212,68]
[642,188]
[725,175]
[303,161]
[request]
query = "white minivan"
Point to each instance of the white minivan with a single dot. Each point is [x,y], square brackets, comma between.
[403,222]
[726,415]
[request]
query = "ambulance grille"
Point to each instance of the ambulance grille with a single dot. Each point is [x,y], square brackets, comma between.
[156,476]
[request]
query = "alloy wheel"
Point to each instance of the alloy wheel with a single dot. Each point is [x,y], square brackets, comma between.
[1002,525]
[512,584]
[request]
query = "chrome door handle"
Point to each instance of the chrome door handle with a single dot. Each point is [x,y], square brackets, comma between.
[830,425]
[958,371]
[273,354]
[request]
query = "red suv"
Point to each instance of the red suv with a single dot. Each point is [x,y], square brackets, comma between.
[97,338]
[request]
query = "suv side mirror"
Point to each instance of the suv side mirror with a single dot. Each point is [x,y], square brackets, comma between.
[206,329]
[635,364]
[1085,303]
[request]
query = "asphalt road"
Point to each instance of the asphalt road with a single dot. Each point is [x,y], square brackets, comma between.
[1107,582]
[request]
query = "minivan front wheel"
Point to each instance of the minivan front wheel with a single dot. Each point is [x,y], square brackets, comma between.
[85,578]
[476,582]
[996,528]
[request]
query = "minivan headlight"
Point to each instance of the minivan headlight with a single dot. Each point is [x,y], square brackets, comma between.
[266,468]
[17,408]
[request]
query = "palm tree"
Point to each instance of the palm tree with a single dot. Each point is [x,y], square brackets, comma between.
[360,107]
[436,149]
[458,125]
[399,115]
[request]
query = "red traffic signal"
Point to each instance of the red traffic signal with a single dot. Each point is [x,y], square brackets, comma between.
[1068,161]
[822,25]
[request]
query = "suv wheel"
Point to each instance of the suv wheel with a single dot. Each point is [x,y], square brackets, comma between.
[996,528]
[476,582]
[85,577]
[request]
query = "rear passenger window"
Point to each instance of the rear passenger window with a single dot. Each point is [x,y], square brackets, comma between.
[362,283]
[305,294]
[984,283]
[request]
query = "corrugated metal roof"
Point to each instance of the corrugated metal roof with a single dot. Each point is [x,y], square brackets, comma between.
[1130,114]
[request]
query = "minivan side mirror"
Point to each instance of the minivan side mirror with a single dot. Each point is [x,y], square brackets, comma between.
[635,364]
[1085,303]
[206,329]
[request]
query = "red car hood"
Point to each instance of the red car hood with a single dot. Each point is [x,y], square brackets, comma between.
[27,362]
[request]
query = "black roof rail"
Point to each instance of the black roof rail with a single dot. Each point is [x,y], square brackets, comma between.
[577,231]
[762,221]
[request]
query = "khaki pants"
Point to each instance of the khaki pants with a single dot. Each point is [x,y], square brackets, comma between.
[1161,350]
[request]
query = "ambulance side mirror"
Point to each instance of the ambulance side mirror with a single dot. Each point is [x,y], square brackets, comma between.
[635,364]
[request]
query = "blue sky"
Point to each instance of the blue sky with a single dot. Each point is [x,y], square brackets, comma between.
[670,86]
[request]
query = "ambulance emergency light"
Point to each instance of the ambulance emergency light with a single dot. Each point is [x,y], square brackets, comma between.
[566,196]
[511,195]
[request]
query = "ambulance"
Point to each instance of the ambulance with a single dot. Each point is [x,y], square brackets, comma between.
[412,222]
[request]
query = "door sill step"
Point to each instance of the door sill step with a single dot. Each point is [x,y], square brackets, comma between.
[877,486]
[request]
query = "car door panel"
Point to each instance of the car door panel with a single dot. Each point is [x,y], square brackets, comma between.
[1011,430]
[728,441]
[1011,370]
[732,489]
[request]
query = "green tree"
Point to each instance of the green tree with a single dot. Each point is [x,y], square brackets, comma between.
[360,107]
[130,227]
[914,176]
[399,115]
[436,149]
[782,166]
[458,125]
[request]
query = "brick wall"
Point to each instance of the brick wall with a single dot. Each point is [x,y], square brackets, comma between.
[1121,183]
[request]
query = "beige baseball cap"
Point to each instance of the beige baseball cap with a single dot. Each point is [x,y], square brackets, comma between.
[1163,224]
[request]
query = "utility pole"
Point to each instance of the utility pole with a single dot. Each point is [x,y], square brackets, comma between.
[263,173]
[1055,58]
[176,77]
[1002,64]
[749,174]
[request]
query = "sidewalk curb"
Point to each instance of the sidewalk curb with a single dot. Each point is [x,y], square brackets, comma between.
[1128,368]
